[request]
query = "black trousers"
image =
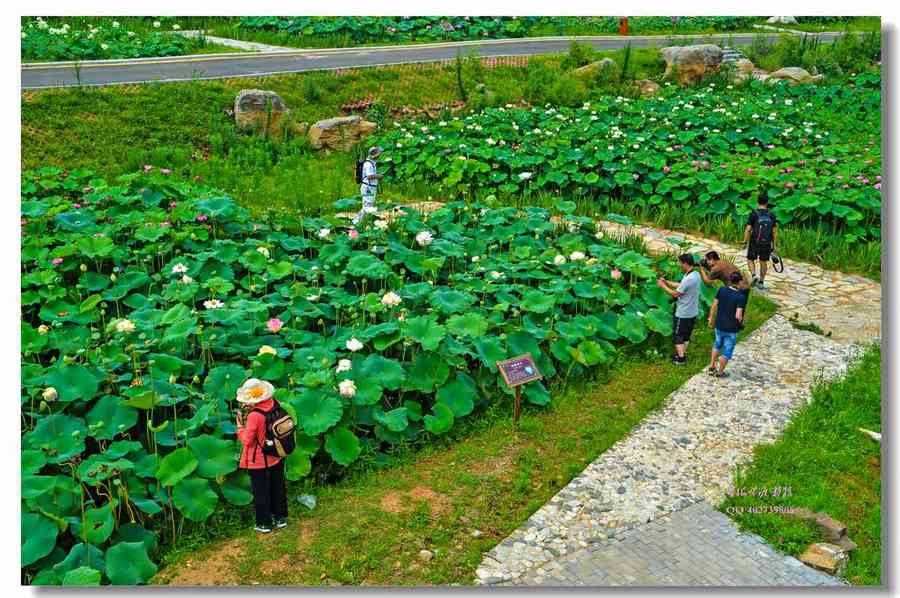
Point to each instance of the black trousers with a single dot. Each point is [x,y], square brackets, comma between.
[269,494]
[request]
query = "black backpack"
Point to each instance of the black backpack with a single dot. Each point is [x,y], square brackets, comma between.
[762,231]
[359,170]
[279,432]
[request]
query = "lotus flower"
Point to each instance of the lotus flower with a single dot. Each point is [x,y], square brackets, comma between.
[391,299]
[213,304]
[495,275]
[353,234]
[179,268]
[576,256]
[354,345]
[255,391]
[381,224]
[559,260]
[312,298]
[43,329]
[344,365]
[877,186]
[147,167]
[186,279]
[616,274]
[125,325]
[667,169]
[324,232]
[202,218]
[347,388]
[165,170]
[424,238]
[274,325]
[267,350]
[264,251]
[524,176]
[49,394]
[57,261]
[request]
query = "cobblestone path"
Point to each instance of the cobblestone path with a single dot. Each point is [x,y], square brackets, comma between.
[680,455]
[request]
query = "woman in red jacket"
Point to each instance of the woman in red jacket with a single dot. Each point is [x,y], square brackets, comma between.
[266,471]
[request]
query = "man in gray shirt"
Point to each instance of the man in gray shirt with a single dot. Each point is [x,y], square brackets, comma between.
[687,294]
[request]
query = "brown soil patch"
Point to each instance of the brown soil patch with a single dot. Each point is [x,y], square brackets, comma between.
[496,466]
[29,96]
[214,569]
[401,502]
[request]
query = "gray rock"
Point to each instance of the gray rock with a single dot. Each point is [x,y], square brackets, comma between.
[781,21]
[426,555]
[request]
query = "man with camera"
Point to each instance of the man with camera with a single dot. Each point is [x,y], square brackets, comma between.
[714,268]
[760,237]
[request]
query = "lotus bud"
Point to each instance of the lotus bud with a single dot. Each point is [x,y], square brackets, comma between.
[195,379]
[50,394]
[43,329]
[83,267]
[112,277]
[43,406]
[172,379]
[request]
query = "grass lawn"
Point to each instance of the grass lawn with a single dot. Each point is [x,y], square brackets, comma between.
[487,476]
[829,466]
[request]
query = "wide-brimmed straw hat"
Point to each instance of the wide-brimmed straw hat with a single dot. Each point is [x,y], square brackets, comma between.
[374,151]
[255,391]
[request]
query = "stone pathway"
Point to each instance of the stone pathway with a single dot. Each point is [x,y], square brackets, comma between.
[697,546]
[235,43]
[847,306]
[680,455]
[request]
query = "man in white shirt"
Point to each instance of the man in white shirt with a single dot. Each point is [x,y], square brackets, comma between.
[369,186]
[687,306]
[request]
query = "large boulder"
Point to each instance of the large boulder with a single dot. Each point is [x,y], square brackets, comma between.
[595,67]
[340,133]
[692,63]
[648,87]
[781,21]
[261,111]
[795,75]
[744,69]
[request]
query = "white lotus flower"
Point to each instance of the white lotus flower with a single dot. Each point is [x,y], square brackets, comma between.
[348,388]
[381,224]
[43,329]
[324,232]
[176,27]
[264,251]
[267,350]
[186,279]
[49,394]
[391,299]
[255,391]
[354,345]
[344,365]
[213,304]
[156,24]
[115,24]
[475,258]
[424,238]
[495,275]
[524,176]
[312,298]
[576,255]
[179,268]
[559,260]
[125,326]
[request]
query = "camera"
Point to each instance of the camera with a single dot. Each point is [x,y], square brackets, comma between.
[705,263]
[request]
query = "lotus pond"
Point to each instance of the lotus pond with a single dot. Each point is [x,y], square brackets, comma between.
[815,149]
[147,301]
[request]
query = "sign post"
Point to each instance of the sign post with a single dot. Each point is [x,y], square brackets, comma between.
[516,372]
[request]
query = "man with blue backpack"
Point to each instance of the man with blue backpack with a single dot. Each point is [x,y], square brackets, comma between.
[367,176]
[760,237]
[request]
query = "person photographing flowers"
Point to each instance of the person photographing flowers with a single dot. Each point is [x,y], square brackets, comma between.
[687,305]
[266,470]
[368,178]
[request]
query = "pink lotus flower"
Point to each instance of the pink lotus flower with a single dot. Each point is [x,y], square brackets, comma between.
[173,204]
[202,217]
[750,171]
[877,186]
[789,169]
[831,161]
[790,185]
[801,163]
[147,168]
[274,325]
[77,206]
[666,169]
[57,261]
[616,274]
[865,181]
[878,177]
[353,234]
[840,177]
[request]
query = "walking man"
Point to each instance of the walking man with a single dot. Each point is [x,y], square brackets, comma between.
[687,295]
[760,237]
[727,312]
[368,186]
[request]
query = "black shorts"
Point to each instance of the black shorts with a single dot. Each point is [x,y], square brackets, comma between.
[759,251]
[682,329]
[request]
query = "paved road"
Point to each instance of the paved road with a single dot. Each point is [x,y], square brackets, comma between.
[187,68]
